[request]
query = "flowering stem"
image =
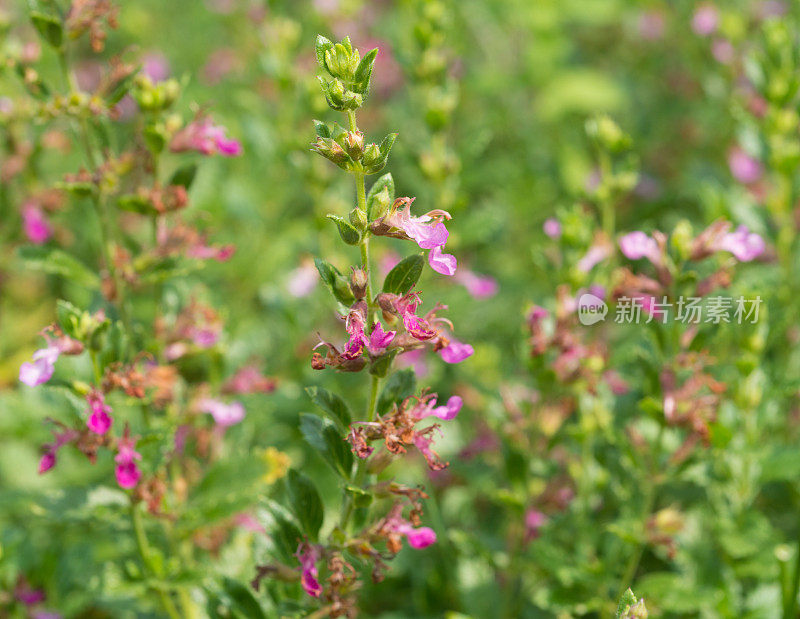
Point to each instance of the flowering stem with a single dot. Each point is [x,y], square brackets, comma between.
[144,552]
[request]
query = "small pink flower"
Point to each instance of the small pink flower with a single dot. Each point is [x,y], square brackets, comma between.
[203,136]
[446,264]
[36,226]
[155,66]
[127,471]
[537,314]
[100,419]
[47,461]
[308,555]
[637,245]
[552,228]
[456,352]
[723,51]
[705,20]
[445,412]
[478,286]
[224,414]
[534,521]
[378,340]
[202,251]
[418,538]
[416,326]
[42,368]
[743,244]
[427,230]
[599,251]
[302,280]
[744,168]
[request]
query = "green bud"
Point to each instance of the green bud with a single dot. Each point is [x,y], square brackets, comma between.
[372,155]
[682,237]
[608,134]
[359,219]
[380,204]
[354,144]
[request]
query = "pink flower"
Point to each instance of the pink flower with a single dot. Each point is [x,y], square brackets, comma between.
[202,251]
[599,251]
[537,314]
[417,327]
[203,136]
[414,359]
[743,244]
[552,228]
[155,66]
[445,264]
[42,368]
[445,412]
[100,419]
[427,230]
[418,538]
[249,379]
[479,286]
[534,521]
[224,414]
[456,352]
[744,168]
[35,224]
[651,25]
[723,51]
[705,19]
[302,280]
[127,471]
[378,340]
[637,245]
[308,555]
[47,461]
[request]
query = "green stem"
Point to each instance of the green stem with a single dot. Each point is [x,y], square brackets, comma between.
[144,553]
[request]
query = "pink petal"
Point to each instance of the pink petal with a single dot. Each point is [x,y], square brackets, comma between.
[445,264]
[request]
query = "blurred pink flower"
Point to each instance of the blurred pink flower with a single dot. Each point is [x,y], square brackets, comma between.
[651,25]
[100,419]
[155,66]
[302,280]
[42,368]
[599,251]
[723,51]
[479,286]
[637,245]
[35,224]
[127,471]
[446,412]
[743,244]
[414,359]
[456,352]
[705,19]
[308,555]
[744,168]
[203,136]
[534,521]
[418,538]
[552,228]
[224,414]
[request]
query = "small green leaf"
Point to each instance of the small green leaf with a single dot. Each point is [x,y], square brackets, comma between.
[400,385]
[321,129]
[335,281]
[364,71]
[321,46]
[332,404]
[48,26]
[184,176]
[58,262]
[404,276]
[242,599]
[135,203]
[306,502]
[68,317]
[347,231]
[325,438]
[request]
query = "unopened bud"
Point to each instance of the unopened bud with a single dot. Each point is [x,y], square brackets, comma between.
[359,219]
[354,144]
[372,155]
[358,283]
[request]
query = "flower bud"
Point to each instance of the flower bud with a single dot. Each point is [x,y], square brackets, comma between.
[682,238]
[608,134]
[359,219]
[354,144]
[358,283]
[372,155]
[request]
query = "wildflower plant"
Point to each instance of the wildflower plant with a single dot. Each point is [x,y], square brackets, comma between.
[375,516]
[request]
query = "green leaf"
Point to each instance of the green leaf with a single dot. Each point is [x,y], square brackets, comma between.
[404,275]
[242,599]
[627,600]
[305,502]
[321,129]
[68,317]
[48,25]
[364,71]
[282,528]
[184,176]
[332,404]
[135,203]
[58,262]
[347,231]
[400,385]
[321,46]
[384,182]
[335,281]
[325,438]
